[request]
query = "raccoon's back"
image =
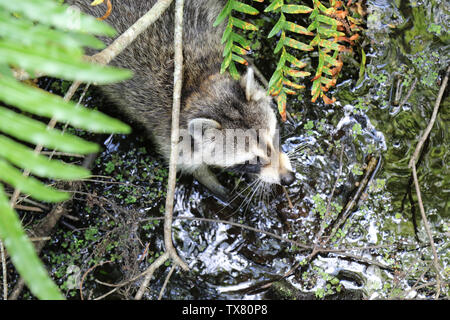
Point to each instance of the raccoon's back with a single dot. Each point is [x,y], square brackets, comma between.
[147,97]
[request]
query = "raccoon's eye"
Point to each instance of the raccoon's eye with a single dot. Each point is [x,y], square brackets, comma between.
[262,161]
[247,167]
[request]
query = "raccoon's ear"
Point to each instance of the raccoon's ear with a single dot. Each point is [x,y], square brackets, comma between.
[248,83]
[198,126]
[251,87]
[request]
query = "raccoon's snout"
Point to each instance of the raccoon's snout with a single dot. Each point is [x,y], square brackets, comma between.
[287,178]
[280,172]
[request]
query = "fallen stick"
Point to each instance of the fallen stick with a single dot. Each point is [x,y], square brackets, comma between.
[412,165]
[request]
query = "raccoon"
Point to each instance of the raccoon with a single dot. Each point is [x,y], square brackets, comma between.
[216,110]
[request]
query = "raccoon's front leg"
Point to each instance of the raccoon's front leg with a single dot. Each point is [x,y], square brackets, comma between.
[209,180]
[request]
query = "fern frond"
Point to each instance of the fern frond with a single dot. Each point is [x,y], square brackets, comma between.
[325,23]
[235,44]
[279,80]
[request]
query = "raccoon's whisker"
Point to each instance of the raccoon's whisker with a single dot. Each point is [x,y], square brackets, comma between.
[249,201]
[248,186]
[261,193]
[266,196]
[249,196]
[238,183]
[238,195]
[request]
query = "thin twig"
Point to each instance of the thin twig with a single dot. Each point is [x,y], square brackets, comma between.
[175,134]
[126,38]
[106,294]
[410,91]
[37,239]
[5,281]
[86,273]
[149,273]
[412,165]
[432,120]
[27,208]
[166,282]
[287,197]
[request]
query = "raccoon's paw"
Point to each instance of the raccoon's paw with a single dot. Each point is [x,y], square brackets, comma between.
[209,180]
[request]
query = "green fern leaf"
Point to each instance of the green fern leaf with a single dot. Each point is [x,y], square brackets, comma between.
[296,9]
[244,8]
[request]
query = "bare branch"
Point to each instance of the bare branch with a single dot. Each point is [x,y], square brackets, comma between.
[412,165]
[115,48]
[149,273]
[175,134]
[166,281]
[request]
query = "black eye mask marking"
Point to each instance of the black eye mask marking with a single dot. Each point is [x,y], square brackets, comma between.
[249,167]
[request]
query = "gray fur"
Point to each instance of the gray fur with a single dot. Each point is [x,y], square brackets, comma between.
[206,94]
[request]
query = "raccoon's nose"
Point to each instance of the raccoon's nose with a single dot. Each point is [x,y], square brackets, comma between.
[287,178]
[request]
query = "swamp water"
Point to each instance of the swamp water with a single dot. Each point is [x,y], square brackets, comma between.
[351,159]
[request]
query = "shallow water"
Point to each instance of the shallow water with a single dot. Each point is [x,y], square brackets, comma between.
[406,42]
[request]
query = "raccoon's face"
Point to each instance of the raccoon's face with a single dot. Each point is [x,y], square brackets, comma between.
[241,133]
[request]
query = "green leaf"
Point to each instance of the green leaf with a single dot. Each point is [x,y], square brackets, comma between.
[326,81]
[29,185]
[329,44]
[51,13]
[293,84]
[244,8]
[224,13]
[225,63]
[280,43]
[241,40]
[274,5]
[362,66]
[32,131]
[315,89]
[28,33]
[281,63]
[239,59]
[44,104]
[233,71]
[277,75]
[227,49]
[295,9]
[297,44]
[327,32]
[296,28]
[57,63]
[6,71]
[327,20]
[299,64]
[320,65]
[331,61]
[281,101]
[296,73]
[39,165]
[243,24]
[23,254]
[315,40]
[313,26]
[239,50]
[227,33]
[314,14]
[278,26]
[276,88]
